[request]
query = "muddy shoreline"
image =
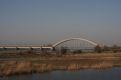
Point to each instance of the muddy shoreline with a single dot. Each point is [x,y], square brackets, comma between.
[67,62]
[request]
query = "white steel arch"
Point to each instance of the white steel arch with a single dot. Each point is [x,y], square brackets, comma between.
[81,39]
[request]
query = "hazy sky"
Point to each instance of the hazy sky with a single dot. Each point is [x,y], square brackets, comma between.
[48,21]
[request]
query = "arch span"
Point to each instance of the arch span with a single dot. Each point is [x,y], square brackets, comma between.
[81,39]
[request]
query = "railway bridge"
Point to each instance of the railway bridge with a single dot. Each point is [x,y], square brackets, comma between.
[70,43]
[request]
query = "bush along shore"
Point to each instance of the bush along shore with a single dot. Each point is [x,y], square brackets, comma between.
[67,62]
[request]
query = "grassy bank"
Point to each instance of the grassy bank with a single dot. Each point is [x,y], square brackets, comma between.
[33,63]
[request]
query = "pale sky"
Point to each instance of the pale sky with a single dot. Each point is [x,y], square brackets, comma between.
[39,22]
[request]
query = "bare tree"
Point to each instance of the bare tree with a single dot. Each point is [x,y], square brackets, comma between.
[115,48]
[63,50]
[98,49]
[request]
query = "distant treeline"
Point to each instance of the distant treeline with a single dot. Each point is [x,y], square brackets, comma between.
[114,49]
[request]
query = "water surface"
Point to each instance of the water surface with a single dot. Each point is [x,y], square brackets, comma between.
[87,74]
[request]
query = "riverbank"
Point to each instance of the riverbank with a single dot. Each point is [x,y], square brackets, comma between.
[36,63]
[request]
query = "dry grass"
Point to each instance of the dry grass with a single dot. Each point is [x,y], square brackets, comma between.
[102,65]
[67,62]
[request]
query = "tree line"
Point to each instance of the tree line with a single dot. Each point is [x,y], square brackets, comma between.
[114,48]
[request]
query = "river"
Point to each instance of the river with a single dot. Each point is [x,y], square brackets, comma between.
[87,74]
